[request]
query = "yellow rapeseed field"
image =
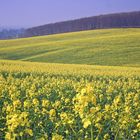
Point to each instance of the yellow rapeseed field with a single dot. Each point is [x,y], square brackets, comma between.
[72,102]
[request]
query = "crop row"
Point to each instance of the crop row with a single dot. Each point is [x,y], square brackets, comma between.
[46,106]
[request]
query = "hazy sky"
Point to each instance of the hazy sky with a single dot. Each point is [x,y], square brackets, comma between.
[26,13]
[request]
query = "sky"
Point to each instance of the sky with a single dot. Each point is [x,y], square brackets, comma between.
[29,13]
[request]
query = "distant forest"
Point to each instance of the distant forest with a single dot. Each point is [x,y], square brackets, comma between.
[11,33]
[118,20]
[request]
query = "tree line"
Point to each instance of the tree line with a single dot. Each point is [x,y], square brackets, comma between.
[117,20]
[11,33]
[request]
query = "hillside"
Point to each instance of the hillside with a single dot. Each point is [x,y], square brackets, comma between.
[116,47]
[71,101]
[116,20]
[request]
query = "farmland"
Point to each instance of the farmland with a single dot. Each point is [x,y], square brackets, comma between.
[112,47]
[76,86]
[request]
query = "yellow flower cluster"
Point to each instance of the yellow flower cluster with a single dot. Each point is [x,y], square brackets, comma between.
[45,106]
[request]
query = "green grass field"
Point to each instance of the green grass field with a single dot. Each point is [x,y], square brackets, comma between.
[113,47]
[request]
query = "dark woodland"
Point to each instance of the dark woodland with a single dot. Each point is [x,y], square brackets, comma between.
[119,20]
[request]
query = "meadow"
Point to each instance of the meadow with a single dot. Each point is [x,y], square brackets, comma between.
[58,101]
[110,47]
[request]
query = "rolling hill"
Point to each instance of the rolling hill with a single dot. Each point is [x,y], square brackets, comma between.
[42,99]
[114,47]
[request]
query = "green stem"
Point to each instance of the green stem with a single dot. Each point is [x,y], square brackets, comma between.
[91,133]
[116,135]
